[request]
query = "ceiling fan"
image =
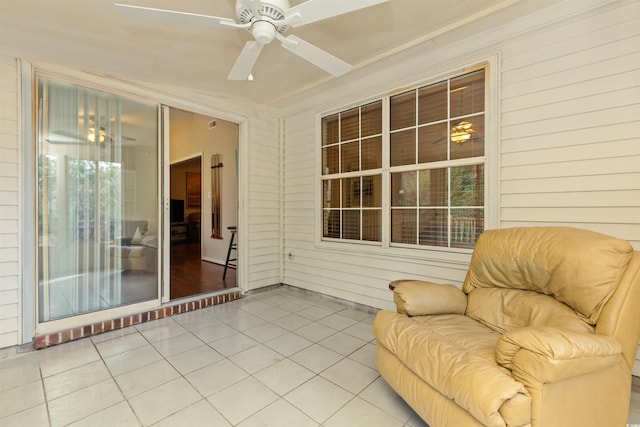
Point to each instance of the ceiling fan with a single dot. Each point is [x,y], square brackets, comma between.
[266,20]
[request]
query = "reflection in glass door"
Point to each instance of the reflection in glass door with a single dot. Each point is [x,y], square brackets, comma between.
[97,196]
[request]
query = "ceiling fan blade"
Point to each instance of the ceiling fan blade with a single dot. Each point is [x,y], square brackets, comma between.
[315,55]
[244,64]
[164,15]
[317,10]
[66,134]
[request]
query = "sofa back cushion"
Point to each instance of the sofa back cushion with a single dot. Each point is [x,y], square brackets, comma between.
[578,268]
[505,309]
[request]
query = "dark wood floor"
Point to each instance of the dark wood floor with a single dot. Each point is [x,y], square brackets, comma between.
[192,276]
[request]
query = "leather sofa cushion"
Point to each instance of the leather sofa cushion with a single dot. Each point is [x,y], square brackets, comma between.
[580,268]
[506,309]
[456,356]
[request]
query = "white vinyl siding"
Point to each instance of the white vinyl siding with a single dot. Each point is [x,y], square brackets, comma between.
[9,168]
[570,148]
[263,201]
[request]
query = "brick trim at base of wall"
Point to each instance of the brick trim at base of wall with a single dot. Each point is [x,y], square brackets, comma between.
[47,340]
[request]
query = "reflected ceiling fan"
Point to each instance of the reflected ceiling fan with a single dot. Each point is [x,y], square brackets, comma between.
[66,137]
[266,20]
[91,136]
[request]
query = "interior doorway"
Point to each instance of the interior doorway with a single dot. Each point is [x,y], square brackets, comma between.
[203,202]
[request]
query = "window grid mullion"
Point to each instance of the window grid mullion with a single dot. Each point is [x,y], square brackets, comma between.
[360,219]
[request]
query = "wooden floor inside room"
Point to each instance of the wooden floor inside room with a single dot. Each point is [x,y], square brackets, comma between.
[192,276]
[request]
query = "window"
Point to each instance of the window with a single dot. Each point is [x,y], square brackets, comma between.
[434,168]
[352,162]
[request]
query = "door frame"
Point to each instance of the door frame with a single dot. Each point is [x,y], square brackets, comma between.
[242,212]
[27,323]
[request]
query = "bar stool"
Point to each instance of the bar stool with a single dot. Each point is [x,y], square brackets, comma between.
[231,262]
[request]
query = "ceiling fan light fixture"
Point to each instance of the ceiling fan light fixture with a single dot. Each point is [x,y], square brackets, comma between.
[263,32]
[91,135]
[461,133]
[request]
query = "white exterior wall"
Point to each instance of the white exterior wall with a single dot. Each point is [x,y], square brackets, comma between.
[9,169]
[570,146]
[263,202]
[568,143]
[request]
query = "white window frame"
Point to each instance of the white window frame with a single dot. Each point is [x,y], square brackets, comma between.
[491,164]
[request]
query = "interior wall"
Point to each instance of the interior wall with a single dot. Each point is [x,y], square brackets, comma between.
[178,183]
[567,150]
[190,136]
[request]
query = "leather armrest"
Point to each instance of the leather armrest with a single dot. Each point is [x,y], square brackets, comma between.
[546,354]
[420,298]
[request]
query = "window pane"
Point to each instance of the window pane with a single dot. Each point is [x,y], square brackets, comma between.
[349,125]
[351,225]
[350,156]
[403,226]
[467,186]
[351,192]
[330,130]
[331,193]
[433,187]
[372,191]
[467,94]
[467,138]
[432,103]
[372,225]
[403,147]
[432,143]
[331,223]
[48,200]
[403,110]
[433,227]
[403,189]
[466,226]
[371,119]
[371,149]
[330,160]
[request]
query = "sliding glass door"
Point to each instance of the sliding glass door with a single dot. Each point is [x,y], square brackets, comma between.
[97,200]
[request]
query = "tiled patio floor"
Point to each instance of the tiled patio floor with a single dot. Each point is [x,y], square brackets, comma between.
[282,357]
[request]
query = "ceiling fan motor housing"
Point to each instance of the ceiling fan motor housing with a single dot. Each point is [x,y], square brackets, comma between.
[273,10]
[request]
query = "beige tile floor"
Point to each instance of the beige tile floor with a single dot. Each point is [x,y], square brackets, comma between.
[282,357]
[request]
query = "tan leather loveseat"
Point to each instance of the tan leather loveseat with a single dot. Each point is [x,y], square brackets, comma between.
[543,333]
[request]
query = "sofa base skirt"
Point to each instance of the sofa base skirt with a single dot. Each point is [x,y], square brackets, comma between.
[434,408]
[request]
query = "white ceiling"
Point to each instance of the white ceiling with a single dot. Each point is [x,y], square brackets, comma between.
[92,35]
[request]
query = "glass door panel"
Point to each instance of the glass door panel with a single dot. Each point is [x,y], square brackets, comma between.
[97,196]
